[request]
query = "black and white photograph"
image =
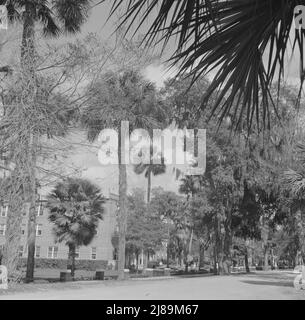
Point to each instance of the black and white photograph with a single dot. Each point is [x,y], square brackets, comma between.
[152,153]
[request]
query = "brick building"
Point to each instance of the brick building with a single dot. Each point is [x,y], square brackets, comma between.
[100,248]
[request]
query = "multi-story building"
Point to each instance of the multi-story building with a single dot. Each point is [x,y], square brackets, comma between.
[100,248]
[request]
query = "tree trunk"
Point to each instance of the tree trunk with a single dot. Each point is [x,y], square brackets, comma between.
[29,70]
[247,261]
[167,247]
[266,257]
[21,156]
[122,209]
[10,256]
[145,258]
[185,260]
[31,242]
[300,227]
[137,260]
[148,184]
[201,256]
[32,217]
[265,237]
[225,267]
[191,242]
[71,259]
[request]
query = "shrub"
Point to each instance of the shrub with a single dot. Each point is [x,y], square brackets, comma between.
[89,265]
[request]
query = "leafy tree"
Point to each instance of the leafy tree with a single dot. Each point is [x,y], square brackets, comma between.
[248,162]
[76,207]
[145,230]
[169,207]
[294,182]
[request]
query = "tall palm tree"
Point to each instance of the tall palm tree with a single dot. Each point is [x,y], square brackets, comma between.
[76,207]
[150,169]
[56,17]
[245,43]
[116,98]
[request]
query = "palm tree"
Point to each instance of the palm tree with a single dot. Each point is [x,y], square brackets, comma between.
[150,169]
[244,42]
[76,207]
[189,186]
[115,98]
[56,17]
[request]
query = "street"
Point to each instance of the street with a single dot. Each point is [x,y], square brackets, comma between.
[260,286]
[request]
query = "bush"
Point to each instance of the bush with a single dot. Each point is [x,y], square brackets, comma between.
[88,265]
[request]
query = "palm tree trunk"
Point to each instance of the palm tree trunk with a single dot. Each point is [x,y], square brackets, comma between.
[122,211]
[71,259]
[29,69]
[148,184]
[31,239]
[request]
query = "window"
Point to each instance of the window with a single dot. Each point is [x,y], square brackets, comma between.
[38,230]
[21,248]
[2,229]
[4,211]
[40,210]
[77,255]
[52,252]
[37,252]
[93,253]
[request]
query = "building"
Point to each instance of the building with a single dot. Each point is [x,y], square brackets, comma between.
[101,247]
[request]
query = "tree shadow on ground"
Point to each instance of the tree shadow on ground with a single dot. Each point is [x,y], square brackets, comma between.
[269,283]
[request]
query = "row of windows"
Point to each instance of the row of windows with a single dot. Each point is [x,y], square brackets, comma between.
[53,252]
[39,210]
[23,229]
[38,229]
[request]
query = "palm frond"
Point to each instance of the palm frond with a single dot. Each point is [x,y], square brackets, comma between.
[46,16]
[72,13]
[245,43]
[295,183]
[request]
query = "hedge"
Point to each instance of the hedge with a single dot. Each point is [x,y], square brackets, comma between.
[89,265]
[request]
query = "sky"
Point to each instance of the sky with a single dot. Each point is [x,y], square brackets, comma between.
[97,23]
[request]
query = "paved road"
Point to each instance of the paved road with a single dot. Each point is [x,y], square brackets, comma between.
[272,285]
